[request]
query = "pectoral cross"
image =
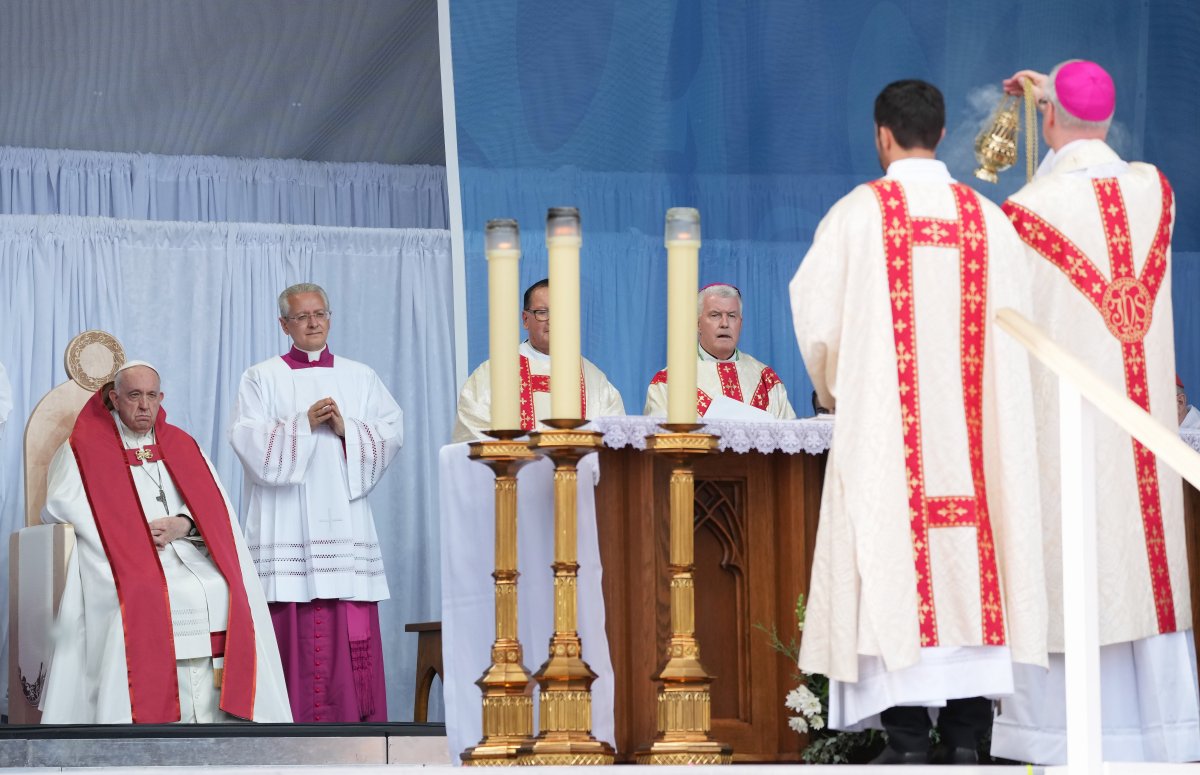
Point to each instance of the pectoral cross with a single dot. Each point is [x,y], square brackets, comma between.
[162,498]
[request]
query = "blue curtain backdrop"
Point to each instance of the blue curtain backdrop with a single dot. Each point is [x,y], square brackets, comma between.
[759,114]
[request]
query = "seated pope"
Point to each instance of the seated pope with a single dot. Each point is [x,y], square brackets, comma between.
[597,396]
[162,617]
[723,372]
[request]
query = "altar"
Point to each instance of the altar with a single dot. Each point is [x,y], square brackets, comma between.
[756,504]
[757,501]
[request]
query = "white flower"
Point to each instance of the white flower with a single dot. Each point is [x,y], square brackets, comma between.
[816,722]
[798,724]
[802,700]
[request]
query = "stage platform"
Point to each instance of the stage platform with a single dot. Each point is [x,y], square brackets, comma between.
[335,748]
[756,769]
[201,748]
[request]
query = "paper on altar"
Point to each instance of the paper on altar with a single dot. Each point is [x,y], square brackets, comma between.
[726,408]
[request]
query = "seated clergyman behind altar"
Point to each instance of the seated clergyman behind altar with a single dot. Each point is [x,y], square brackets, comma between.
[162,618]
[597,396]
[730,384]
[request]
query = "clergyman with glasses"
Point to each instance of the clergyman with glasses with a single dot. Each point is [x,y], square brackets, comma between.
[315,433]
[737,383]
[597,396]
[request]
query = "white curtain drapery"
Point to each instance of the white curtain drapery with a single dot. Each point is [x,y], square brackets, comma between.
[140,186]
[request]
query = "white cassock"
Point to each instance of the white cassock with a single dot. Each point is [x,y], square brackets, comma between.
[926,582]
[308,524]
[598,398]
[741,377]
[87,680]
[1148,661]
[1191,420]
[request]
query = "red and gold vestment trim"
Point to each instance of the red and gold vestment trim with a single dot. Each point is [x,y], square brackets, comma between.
[968,235]
[731,386]
[540,383]
[1125,304]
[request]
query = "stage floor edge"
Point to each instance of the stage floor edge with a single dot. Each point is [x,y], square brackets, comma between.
[201,747]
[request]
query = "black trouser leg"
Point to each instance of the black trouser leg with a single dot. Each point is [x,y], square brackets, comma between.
[964,722]
[907,728]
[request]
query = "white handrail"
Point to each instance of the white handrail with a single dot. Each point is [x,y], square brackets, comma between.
[1080,604]
[1162,441]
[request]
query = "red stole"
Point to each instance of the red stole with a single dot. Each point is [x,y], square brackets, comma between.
[731,386]
[137,572]
[1126,304]
[540,383]
[968,235]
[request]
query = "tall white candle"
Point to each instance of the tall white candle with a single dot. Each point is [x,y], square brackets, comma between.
[563,239]
[502,245]
[683,281]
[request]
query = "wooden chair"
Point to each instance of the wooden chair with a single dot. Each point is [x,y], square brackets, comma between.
[38,553]
[429,664]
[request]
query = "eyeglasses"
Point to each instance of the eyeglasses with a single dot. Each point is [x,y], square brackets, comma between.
[321,314]
[540,315]
[1043,103]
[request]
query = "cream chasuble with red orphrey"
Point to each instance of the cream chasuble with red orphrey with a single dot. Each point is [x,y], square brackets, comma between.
[597,396]
[1102,278]
[930,532]
[742,378]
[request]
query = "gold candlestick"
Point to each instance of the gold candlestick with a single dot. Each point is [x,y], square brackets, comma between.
[565,680]
[507,690]
[684,701]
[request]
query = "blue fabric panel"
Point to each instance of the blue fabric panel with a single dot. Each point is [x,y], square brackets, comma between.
[759,114]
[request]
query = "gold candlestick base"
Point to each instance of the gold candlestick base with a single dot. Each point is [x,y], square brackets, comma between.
[684,700]
[506,686]
[565,680]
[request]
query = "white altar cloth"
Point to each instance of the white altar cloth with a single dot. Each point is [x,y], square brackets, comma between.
[811,434]
[468,603]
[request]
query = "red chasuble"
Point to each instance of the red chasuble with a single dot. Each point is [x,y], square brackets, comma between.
[137,572]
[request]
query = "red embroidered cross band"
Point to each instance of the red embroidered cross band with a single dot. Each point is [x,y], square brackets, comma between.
[731,386]
[540,383]
[1126,304]
[968,235]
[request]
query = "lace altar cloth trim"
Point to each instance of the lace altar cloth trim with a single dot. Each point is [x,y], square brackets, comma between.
[790,436]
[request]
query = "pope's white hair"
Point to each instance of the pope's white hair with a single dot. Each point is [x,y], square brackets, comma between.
[296,290]
[721,291]
[1066,118]
[129,365]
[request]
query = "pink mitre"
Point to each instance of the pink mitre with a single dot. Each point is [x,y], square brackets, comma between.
[1085,90]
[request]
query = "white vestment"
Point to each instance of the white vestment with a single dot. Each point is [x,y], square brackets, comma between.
[599,397]
[87,681]
[308,524]
[1191,420]
[867,616]
[1149,689]
[741,377]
